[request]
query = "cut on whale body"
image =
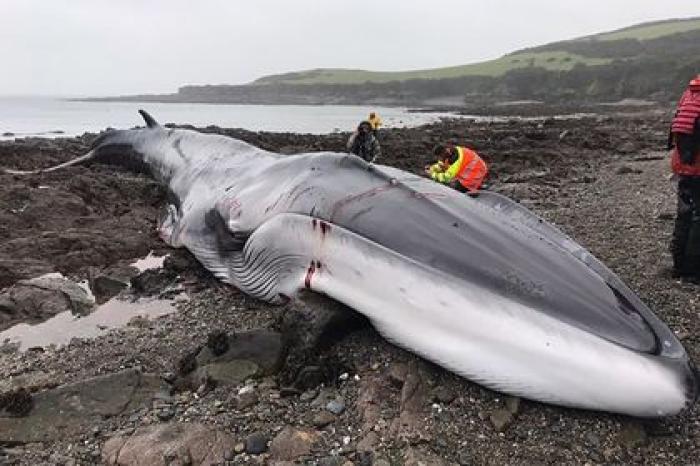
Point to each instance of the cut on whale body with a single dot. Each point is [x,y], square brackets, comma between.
[479,285]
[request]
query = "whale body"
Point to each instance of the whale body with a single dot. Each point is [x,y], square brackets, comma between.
[479,285]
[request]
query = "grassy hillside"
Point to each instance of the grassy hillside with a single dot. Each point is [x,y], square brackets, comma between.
[625,43]
[551,60]
[650,31]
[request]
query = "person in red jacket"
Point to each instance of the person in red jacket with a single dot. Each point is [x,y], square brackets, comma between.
[685,163]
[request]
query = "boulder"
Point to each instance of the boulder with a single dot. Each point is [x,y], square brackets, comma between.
[106,284]
[38,299]
[168,444]
[291,443]
[70,410]
[232,359]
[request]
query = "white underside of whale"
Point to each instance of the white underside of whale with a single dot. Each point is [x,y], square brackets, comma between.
[484,336]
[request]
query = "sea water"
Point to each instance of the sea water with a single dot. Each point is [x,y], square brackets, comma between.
[57,117]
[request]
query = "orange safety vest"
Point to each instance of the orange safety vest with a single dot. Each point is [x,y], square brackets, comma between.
[473,169]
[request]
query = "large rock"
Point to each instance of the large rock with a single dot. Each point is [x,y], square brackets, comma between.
[41,298]
[291,443]
[169,444]
[72,409]
[107,283]
[15,269]
[231,359]
[410,425]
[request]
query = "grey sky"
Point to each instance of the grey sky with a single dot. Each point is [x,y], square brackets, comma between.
[101,47]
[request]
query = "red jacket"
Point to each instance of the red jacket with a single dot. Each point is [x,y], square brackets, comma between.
[687,112]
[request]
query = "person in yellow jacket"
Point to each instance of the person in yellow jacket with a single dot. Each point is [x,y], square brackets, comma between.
[459,167]
[375,121]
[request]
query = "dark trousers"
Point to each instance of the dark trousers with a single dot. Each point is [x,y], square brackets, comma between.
[685,244]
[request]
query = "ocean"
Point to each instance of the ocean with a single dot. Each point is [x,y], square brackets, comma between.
[55,117]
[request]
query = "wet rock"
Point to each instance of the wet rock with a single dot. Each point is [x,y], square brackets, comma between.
[501,419]
[256,443]
[632,435]
[39,299]
[110,282]
[153,282]
[71,409]
[292,443]
[168,444]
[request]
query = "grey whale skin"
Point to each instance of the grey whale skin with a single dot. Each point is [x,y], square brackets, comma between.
[480,286]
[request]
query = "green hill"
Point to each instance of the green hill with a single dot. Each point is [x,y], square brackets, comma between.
[599,49]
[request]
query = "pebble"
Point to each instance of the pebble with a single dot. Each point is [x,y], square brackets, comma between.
[166,413]
[501,419]
[322,419]
[256,443]
[308,395]
[336,406]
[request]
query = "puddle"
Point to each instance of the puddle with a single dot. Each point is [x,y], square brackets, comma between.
[149,262]
[60,329]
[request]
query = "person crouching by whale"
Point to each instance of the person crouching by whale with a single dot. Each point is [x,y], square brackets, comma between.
[459,167]
[685,163]
[364,143]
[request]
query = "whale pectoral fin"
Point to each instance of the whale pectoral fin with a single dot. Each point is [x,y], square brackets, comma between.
[227,242]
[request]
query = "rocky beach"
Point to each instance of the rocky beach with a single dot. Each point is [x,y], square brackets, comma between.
[225,379]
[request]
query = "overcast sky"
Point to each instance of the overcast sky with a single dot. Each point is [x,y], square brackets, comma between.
[104,47]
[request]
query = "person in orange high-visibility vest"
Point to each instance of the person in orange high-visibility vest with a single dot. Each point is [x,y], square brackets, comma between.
[459,167]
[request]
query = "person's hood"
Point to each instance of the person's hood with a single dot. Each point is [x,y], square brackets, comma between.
[694,84]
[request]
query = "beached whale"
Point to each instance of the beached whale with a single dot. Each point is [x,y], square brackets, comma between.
[479,285]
